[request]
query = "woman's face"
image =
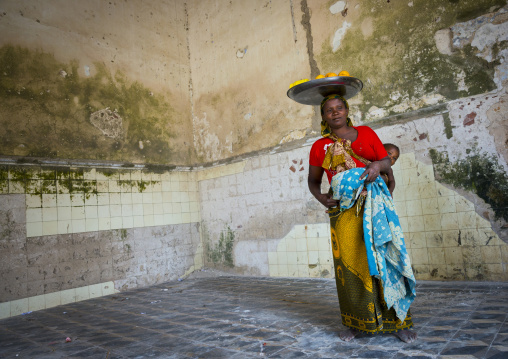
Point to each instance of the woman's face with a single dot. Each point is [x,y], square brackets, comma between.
[335,113]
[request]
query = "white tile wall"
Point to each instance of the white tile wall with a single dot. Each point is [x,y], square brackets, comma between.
[17,307]
[169,198]
[304,252]
[434,217]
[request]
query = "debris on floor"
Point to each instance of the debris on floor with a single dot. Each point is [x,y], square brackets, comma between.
[252,317]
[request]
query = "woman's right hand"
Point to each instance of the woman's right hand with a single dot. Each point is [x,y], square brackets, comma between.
[327,200]
[314,182]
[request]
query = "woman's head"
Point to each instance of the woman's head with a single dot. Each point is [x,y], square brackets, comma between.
[334,113]
[331,97]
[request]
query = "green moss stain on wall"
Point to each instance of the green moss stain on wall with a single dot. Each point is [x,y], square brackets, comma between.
[400,56]
[477,172]
[222,252]
[45,107]
[38,180]
[499,46]
[448,125]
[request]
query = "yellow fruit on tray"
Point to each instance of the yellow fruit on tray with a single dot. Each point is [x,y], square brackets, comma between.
[319,77]
[344,73]
[298,82]
[331,74]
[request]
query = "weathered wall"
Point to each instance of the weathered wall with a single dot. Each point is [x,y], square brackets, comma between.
[411,56]
[204,82]
[461,145]
[119,82]
[405,52]
[68,234]
[244,56]
[95,80]
[259,218]
[435,76]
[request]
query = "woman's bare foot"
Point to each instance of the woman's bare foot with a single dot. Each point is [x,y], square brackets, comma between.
[348,334]
[406,335]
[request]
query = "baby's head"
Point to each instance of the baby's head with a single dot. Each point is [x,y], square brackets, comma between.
[393,152]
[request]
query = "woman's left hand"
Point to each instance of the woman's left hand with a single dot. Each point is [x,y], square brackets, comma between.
[372,170]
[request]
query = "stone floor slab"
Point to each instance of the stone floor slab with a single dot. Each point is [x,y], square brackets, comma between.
[252,317]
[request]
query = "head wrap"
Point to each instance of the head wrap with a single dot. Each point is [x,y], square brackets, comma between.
[325,128]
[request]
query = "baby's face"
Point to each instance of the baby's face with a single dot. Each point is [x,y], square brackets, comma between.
[393,154]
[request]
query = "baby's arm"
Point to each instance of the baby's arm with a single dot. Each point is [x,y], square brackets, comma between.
[386,177]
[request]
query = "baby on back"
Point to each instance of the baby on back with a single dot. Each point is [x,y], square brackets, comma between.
[394,153]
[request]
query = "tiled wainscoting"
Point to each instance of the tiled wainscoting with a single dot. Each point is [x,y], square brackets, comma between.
[65,232]
[69,234]
[281,230]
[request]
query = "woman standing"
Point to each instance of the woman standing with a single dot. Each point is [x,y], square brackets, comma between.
[343,147]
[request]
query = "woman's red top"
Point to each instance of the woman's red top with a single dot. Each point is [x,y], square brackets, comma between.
[366,145]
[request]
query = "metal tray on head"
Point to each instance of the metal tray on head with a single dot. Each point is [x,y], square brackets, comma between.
[312,92]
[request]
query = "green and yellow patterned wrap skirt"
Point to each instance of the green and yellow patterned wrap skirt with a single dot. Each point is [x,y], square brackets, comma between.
[360,295]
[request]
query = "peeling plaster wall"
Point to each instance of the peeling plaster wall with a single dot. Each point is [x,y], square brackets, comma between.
[58,75]
[435,78]
[277,228]
[135,82]
[405,52]
[464,133]
[211,87]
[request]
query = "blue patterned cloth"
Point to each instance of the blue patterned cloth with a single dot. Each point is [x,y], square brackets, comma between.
[386,252]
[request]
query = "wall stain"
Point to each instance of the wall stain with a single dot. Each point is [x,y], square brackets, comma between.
[39,180]
[314,69]
[469,119]
[411,48]
[222,252]
[295,38]
[46,107]
[448,125]
[479,173]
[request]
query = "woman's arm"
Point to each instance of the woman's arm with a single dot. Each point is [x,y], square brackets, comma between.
[383,164]
[314,182]
[373,169]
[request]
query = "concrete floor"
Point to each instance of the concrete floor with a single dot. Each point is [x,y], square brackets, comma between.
[252,317]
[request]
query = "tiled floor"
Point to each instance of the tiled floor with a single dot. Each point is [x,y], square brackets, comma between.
[252,317]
